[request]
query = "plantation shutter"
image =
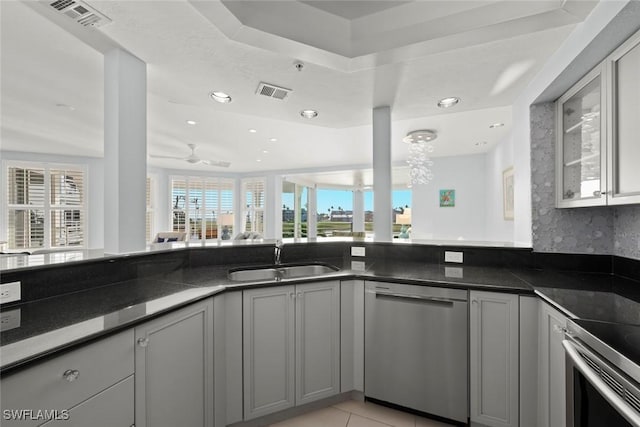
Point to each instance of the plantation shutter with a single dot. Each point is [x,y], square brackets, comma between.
[254,199]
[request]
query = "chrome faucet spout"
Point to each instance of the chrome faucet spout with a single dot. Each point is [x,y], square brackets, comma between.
[278,252]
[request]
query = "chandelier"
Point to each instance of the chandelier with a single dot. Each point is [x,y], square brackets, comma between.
[420,147]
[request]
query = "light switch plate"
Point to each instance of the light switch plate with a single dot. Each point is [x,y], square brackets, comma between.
[451,256]
[357,251]
[9,292]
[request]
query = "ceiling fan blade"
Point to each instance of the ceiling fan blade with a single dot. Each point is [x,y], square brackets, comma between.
[219,163]
[166,157]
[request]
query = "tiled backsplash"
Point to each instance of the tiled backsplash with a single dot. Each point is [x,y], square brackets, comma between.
[594,230]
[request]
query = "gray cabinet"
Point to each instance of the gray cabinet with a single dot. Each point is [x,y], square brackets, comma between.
[291,337]
[81,383]
[598,122]
[174,368]
[551,361]
[494,359]
[623,65]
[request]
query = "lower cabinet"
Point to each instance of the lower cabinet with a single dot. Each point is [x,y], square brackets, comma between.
[494,352]
[174,368]
[291,340]
[90,385]
[551,366]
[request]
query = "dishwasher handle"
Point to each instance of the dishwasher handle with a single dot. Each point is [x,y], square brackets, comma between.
[425,299]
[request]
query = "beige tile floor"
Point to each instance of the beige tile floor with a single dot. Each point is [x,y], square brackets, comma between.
[358,414]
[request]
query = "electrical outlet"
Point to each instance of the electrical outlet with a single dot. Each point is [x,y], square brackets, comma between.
[450,256]
[357,251]
[454,272]
[9,319]
[9,292]
[358,266]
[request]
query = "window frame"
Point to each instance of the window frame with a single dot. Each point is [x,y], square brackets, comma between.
[47,206]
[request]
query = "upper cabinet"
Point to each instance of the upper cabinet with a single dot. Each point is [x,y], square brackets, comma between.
[598,127]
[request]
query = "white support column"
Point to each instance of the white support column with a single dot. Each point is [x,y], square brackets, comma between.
[358,211]
[273,208]
[125,152]
[238,208]
[312,213]
[382,227]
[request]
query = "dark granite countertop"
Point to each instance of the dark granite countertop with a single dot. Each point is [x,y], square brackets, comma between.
[40,328]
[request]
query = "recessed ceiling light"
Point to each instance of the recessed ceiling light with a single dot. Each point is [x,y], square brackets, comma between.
[220,97]
[265,151]
[496,125]
[258,160]
[252,131]
[192,122]
[273,139]
[309,114]
[448,102]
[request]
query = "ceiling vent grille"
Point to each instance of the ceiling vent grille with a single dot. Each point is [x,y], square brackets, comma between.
[272,91]
[81,12]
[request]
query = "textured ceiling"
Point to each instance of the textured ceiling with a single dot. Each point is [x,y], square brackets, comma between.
[188,56]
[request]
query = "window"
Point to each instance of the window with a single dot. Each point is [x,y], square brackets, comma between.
[45,205]
[253,194]
[202,207]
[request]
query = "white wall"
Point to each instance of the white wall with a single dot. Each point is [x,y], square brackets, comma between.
[497,160]
[94,189]
[466,175]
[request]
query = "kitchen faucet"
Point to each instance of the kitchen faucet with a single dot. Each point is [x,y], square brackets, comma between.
[278,252]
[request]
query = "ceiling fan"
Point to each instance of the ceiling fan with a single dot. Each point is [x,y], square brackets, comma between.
[194,159]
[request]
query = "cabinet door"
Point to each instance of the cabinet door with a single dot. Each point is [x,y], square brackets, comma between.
[552,397]
[174,369]
[581,149]
[624,132]
[269,350]
[111,408]
[317,341]
[494,359]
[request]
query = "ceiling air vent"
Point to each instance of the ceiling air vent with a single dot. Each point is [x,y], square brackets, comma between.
[272,91]
[81,12]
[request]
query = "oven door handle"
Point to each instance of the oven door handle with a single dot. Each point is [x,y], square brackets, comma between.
[611,396]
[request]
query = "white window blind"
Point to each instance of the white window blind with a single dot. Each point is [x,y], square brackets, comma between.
[253,192]
[45,206]
[203,207]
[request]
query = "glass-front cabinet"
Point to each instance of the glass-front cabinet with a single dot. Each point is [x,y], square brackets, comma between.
[624,133]
[581,154]
[598,134]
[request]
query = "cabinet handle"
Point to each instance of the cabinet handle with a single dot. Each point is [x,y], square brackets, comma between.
[143,342]
[293,294]
[597,193]
[71,375]
[474,301]
[299,294]
[559,329]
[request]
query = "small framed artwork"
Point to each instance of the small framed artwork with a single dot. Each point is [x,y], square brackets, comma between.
[447,198]
[507,193]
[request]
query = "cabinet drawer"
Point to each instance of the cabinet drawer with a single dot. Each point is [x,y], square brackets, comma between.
[45,387]
[111,408]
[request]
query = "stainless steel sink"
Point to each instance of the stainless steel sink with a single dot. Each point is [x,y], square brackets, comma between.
[280,272]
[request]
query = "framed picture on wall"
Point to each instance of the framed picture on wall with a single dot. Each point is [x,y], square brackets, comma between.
[447,198]
[507,193]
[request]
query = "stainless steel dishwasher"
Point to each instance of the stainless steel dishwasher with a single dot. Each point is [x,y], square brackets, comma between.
[416,348]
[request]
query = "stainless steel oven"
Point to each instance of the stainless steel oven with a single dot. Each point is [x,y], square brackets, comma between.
[603,385]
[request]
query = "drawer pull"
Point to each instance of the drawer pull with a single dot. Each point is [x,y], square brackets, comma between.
[143,342]
[71,375]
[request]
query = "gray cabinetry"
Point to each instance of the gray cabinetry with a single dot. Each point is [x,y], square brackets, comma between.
[494,356]
[78,382]
[174,368]
[291,337]
[598,123]
[551,360]
[623,66]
